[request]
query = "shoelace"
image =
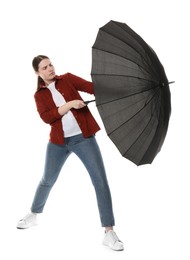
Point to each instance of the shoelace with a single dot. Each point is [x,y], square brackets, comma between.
[26,218]
[114,236]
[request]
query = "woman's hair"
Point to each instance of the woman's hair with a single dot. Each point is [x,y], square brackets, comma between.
[35,64]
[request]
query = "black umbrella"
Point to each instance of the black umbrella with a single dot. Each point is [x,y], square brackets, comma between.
[132,92]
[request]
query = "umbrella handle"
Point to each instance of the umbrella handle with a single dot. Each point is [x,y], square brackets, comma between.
[89,101]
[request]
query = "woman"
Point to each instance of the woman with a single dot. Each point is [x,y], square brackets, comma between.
[72,130]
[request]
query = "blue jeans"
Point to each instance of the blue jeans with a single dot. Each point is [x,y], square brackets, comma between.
[88,151]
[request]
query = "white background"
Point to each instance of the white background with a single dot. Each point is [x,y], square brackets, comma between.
[151,202]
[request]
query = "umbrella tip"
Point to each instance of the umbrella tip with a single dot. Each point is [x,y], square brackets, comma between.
[166,84]
[171,82]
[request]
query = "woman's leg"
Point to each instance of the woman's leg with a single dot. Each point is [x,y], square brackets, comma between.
[56,155]
[88,151]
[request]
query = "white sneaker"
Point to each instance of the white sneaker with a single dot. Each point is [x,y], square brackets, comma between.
[28,221]
[112,241]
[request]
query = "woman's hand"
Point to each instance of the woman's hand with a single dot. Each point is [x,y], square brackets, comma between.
[76,104]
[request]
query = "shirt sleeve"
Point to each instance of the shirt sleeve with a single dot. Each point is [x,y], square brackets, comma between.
[47,115]
[81,84]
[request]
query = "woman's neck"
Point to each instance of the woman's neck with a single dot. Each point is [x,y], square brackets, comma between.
[49,82]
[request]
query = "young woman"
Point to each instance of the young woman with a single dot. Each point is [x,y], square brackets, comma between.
[73,130]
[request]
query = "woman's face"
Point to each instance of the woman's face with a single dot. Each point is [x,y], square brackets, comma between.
[46,71]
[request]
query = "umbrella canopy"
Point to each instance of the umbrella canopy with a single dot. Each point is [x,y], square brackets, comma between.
[132,92]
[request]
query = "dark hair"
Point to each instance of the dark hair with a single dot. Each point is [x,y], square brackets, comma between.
[35,64]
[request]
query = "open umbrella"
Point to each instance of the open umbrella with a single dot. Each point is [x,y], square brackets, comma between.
[132,92]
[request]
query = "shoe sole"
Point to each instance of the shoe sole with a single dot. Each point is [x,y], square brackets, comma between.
[107,245]
[33,225]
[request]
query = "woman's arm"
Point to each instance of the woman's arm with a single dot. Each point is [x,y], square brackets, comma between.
[81,84]
[51,115]
[76,104]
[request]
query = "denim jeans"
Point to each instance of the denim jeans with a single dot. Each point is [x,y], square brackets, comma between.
[88,151]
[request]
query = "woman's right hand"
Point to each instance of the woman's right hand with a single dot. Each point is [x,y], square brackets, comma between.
[76,104]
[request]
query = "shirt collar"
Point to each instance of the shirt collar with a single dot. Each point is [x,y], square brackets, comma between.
[42,83]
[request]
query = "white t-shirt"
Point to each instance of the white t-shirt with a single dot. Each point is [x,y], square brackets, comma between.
[69,123]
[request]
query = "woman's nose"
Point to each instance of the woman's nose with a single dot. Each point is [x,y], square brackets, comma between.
[51,68]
